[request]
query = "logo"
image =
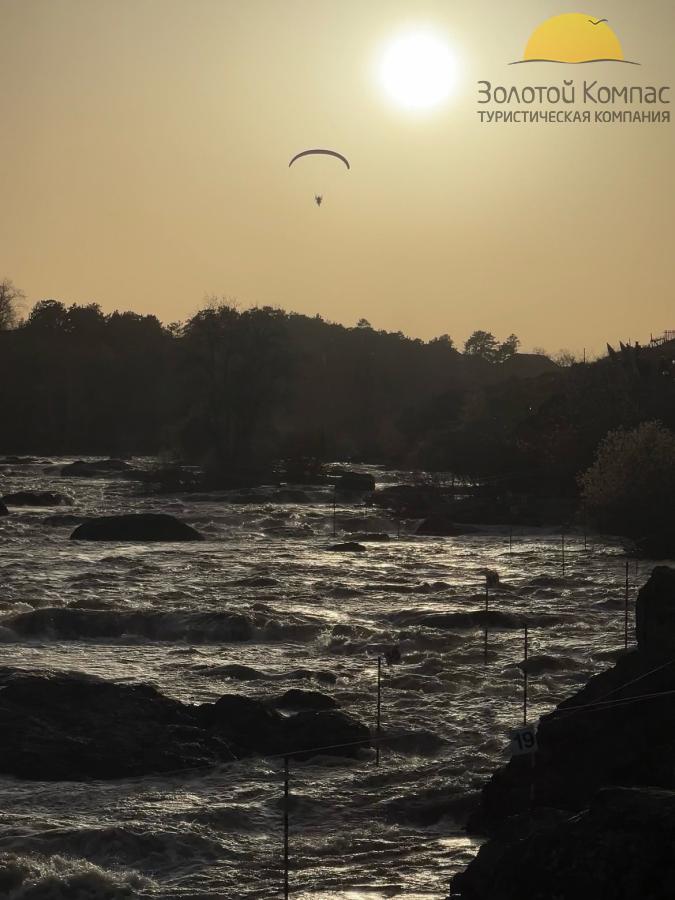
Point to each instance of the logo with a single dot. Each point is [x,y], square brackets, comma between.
[574,38]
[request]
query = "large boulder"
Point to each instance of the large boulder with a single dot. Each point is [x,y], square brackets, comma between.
[250,726]
[355,483]
[347,547]
[621,847]
[37,498]
[71,726]
[96,469]
[246,725]
[83,623]
[655,614]
[296,700]
[136,527]
[415,500]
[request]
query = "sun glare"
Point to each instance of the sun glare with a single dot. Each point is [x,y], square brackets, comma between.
[418,70]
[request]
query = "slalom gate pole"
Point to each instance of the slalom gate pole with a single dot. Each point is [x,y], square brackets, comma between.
[286,778]
[378,725]
[525,680]
[585,528]
[485,632]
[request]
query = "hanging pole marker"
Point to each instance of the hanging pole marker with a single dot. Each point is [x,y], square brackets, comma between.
[285,828]
[334,509]
[563,552]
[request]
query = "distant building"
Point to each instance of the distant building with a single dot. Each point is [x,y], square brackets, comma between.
[665,338]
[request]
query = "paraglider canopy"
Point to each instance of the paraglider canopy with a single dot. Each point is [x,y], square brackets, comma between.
[320,152]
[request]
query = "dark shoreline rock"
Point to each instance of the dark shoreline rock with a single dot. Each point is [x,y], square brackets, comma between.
[598,737]
[136,527]
[575,820]
[620,847]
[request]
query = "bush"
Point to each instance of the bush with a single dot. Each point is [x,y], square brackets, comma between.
[630,488]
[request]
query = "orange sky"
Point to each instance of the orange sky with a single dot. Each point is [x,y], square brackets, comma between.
[144,148]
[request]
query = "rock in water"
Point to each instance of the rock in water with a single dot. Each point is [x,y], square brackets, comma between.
[37,498]
[136,527]
[247,725]
[3,509]
[348,547]
[330,732]
[655,614]
[297,699]
[81,469]
[443,526]
[74,726]
[621,847]
[355,483]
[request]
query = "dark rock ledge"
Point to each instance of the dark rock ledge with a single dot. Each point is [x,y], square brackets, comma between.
[595,815]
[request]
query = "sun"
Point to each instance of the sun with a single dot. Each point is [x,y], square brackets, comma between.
[418,70]
[573,38]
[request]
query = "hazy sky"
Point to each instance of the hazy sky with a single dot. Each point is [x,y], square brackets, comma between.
[144,148]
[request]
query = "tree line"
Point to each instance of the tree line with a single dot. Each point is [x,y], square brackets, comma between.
[241,392]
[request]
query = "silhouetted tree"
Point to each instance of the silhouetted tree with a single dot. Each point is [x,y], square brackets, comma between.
[630,488]
[240,390]
[235,364]
[483,344]
[10,300]
[486,346]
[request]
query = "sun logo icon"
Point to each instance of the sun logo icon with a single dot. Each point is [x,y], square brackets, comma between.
[574,38]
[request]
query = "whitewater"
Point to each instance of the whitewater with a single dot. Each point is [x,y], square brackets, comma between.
[260,606]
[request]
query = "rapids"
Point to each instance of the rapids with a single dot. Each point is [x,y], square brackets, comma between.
[259,607]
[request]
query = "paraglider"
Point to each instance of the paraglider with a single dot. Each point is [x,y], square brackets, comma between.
[320,153]
[318,198]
